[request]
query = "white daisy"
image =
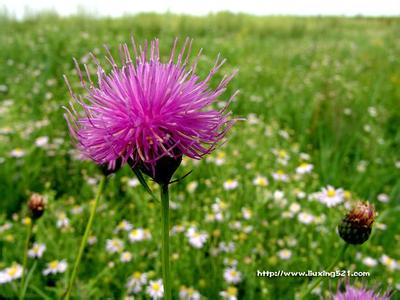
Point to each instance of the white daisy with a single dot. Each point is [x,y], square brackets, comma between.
[196,239]
[280,176]
[62,220]
[246,213]
[220,159]
[285,254]
[305,218]
[389,262]
[304,168]
[126,256]
[279,195]
[136,235]
[230,293]
[372,111]
[11,273]
[42,141]
[133,182]
[5,227]
[136,282]
[294,208]
[231,275]
[37,250]
[155,289]
[383,198]
[177,229]
[114,245]
[192,186]
[92,240]
[231,184]
[188,293]
[55,267]
[300,194]
[230,262]
[17,153]
[281,155]
[123,225]
[260,181]
[76,210]
[331,196]
[369,261]
[226,247]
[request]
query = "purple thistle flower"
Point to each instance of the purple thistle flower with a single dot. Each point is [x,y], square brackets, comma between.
[146,111]
[352,293]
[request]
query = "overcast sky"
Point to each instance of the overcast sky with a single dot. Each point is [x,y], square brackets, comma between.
[202,7]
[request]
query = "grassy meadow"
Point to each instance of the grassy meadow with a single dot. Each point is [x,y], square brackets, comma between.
[320,103]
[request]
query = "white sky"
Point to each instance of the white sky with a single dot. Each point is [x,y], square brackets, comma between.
[115,8]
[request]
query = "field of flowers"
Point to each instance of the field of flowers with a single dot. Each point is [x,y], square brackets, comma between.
[318,129]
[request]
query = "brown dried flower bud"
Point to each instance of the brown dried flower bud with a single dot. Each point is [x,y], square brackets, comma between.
[36,205]
[356,226]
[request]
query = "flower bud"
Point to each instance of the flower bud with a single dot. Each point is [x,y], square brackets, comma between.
[36,205]
[163,170]
[356,226]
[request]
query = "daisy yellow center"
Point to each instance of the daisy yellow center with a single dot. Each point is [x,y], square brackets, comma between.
[231,291]
[261,181]
[304,165]
[12,271]
[137,275]
[27,221]
[389,262]
[121,225]
[223,204]
[331,193]
[53,264]
[156,287]
[280,172]
[135,232]
[189,291]
[233,273]
[282,153]
[221,155]
[115,244]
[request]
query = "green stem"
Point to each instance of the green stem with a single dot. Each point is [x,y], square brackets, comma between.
[165,241]
[25,260]
[329,269]
[84,239]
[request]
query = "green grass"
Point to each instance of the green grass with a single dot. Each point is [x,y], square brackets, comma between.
[301,76]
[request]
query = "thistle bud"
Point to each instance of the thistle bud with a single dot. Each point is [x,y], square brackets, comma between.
[356,226]
[36,205]
[163,170]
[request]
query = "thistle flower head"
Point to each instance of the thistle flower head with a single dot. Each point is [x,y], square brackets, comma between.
[146,111]
[352,293]
[356,226]
[36,205]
